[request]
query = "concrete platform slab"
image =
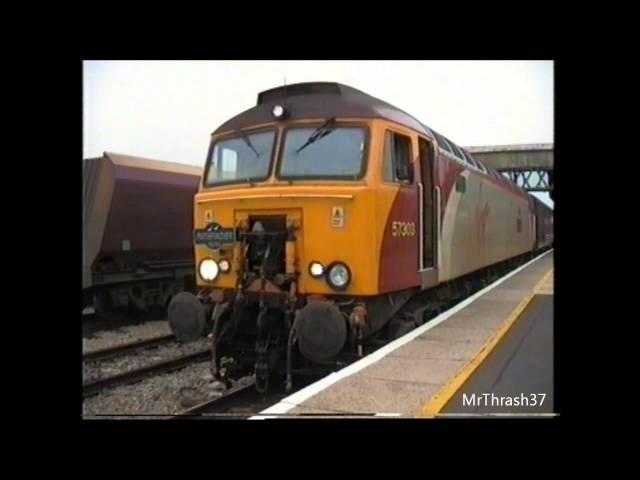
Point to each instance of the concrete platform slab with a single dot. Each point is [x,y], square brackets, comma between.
[381,396]
[427,349]
[482,315]
[468,333]
[508,295]
[412,370]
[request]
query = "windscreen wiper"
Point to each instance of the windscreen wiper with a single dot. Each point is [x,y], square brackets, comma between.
[250,145]
[320,132]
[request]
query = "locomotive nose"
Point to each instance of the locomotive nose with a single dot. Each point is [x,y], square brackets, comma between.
[322,331]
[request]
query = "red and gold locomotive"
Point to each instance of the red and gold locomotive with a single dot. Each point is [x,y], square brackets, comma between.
[321,212]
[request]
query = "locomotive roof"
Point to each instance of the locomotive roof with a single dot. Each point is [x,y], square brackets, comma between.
[321,100]
[331,99]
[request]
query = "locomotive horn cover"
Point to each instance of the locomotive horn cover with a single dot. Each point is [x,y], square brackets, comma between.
[186,317]
[322,331]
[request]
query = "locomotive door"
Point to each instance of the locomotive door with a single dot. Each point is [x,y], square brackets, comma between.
[400,255]
[428,217]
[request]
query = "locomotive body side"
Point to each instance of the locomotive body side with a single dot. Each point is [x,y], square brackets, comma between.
[484,221]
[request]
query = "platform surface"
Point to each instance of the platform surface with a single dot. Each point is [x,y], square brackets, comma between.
[517,377]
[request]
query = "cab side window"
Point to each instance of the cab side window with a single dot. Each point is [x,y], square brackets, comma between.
[397,158]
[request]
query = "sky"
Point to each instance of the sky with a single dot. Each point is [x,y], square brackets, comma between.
[166,110]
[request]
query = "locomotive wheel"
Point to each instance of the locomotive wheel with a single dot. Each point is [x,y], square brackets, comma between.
[321,331]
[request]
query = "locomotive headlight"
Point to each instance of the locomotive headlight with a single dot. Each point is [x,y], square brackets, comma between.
[208,269]
[278,111]
[339,276]
[224,265]
[316,269]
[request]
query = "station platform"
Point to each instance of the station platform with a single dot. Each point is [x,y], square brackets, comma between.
[490,355]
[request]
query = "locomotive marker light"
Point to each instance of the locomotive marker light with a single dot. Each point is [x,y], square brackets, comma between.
[224,265]
[316,270]
[208,269]
[338,276]
[278,111]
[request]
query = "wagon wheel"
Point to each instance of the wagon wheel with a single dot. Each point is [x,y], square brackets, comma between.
[103,306]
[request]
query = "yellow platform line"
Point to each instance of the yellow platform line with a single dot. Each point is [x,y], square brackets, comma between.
[547,288]
[440,399]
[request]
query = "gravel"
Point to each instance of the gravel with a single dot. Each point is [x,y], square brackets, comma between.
[166,394]
[95,370]
[130,333]
[159,395]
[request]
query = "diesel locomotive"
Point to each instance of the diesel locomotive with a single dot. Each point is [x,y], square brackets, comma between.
[321,212]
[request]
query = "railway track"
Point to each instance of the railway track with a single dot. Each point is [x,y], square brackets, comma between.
[238,403]
[242,394]
[92,388]
[131,347]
